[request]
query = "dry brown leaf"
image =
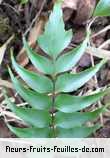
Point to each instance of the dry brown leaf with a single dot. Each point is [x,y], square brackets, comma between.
[32,68]
[70,4]
[85,61]
[34,33]
[22,58]
[4,131]
[84,11]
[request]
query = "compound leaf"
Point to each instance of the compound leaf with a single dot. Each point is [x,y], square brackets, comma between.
[55,39]
[69,82]
[68,122]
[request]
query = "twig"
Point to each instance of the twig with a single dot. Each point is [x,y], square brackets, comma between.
[7,84]
[27,15]
[22,104]
[36,17]
[90,23]
[93,64]
[95,77]
[100,53]
[102,31]
[10,39]
[97,86]
[104,44]
[9,114]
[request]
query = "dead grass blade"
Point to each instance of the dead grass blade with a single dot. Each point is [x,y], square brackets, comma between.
[97,52]
[3,48]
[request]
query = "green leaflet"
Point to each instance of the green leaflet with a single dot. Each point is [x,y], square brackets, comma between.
[36,100]
[77,132]
[71,82]
[65,120]
[68,60]
[55,39]
[30,132]
[37,82]
[43,64]
[68,104]
[102,8]
[36,118]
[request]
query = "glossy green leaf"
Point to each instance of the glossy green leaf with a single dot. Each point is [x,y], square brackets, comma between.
[36,100]
[30,132]
[42,63]
[65,120]
[36,118]
[102,8]
[68,60]
[70,82]
[77,132]
[33,117]
[55,39]
[37,82]
[68,104]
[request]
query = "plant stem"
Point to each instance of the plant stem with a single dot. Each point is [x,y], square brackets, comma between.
[53,107]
